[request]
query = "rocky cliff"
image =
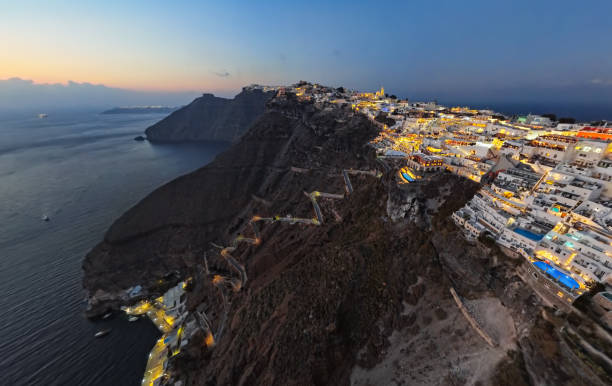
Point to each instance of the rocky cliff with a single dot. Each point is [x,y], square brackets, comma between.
[210,118]
[364,298]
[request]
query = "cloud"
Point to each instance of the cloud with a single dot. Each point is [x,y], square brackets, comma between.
[602,82]
[222,74]
[17,93]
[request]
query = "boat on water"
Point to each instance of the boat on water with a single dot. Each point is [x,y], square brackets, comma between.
[107,315]
[132,318]
[102,333]
[42,116]
[45,217]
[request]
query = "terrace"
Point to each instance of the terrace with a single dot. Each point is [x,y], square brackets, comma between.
[559,138]
[545,145]
[585,184]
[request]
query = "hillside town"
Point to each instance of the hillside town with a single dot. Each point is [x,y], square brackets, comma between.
[544,200]
[546,190]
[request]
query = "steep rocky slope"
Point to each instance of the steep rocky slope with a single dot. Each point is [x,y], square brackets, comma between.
[210,118]
[362,299]
[170,229]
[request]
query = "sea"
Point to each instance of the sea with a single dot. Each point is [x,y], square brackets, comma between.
[82,169]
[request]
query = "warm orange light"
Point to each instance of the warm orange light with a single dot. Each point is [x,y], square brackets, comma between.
[210,340]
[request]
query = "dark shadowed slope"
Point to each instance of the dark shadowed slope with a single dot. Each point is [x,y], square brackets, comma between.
[169,229]
[210,118]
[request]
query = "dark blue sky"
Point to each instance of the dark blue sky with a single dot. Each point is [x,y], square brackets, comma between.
[465,51]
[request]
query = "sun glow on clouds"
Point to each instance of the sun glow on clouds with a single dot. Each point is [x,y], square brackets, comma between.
[45,69]
[198,45]
[110,45]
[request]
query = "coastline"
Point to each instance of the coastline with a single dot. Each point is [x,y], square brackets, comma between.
[82,170]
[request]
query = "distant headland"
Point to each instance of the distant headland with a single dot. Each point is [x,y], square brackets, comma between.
[141,110]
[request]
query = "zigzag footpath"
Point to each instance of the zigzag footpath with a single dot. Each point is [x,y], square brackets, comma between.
[239,283]
[169,344]
[167,231]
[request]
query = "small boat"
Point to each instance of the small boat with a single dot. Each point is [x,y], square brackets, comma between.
[43,115]
[132,318]
[45,217]
[107,315]
[102,333]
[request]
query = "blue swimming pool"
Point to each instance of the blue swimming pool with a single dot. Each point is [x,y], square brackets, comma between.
[407,177]
[557,274]
[530,235]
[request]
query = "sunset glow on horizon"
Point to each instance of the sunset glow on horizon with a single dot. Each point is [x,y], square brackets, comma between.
[454,50]
[122,46]
[212,85]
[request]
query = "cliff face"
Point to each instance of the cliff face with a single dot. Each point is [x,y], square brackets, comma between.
[362,299]
[171,228]
[210,118]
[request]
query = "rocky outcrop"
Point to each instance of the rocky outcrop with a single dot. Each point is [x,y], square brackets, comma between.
[210,118]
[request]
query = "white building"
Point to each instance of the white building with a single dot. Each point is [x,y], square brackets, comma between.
[538,120]
[589,153]
[581,249]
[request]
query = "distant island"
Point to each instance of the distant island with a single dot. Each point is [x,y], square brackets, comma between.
[141,110]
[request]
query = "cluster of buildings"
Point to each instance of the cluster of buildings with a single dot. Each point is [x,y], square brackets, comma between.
[548,197]
[546,186]
[168,313]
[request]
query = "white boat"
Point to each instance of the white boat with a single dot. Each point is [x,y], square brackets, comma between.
[132,318]
[102,333]
[43,115]
[45,217]
[107,315]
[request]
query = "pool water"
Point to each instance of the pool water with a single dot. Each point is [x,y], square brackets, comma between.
[530,235]
[407,177]
[557,274]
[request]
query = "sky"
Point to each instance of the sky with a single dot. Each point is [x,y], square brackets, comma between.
[472,51]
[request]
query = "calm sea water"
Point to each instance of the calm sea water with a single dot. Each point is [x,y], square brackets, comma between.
[83,170]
